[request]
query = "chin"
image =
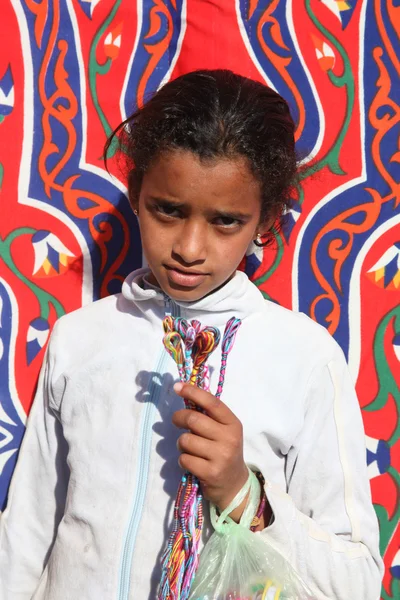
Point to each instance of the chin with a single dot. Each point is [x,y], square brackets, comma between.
[181,294]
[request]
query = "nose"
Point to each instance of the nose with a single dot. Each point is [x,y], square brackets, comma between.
[191,243]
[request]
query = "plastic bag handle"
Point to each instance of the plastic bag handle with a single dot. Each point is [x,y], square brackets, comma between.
[252,488]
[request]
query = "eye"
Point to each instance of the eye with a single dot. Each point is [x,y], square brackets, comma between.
[167,210]
[227,222]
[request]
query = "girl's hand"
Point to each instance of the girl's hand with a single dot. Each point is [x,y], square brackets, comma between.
[212,449]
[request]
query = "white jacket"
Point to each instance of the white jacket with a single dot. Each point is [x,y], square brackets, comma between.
[91,500]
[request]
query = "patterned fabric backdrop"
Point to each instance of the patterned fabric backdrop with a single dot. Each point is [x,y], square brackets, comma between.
[70,70]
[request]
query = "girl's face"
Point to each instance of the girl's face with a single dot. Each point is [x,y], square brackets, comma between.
[196,221]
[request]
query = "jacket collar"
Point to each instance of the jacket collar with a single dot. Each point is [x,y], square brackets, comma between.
[238,297]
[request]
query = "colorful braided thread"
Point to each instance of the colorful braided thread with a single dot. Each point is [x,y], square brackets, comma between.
[228,340]
[189,345]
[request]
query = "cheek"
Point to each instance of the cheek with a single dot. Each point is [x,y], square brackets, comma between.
[157,244]
[233,250]
[154,238]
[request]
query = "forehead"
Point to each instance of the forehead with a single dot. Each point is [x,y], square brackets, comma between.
[183,176]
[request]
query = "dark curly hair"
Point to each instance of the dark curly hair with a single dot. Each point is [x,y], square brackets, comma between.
[216,113]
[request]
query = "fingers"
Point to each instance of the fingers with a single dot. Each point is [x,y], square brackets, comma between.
[198,423]
[199,467]
[210,476]
[195,445]
[214,407]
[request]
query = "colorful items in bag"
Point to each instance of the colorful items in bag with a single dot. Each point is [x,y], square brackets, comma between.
[190,345]
[262,591]
[237,564]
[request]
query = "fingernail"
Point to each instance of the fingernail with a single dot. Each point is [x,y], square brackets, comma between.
[178,387]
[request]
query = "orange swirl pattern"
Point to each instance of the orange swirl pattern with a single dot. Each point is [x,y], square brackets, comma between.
[71,70]
[280,62]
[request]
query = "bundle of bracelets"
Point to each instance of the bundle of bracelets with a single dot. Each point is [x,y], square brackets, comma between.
[190,345]
[263,502]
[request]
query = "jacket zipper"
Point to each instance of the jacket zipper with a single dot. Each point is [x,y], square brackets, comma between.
[142,468]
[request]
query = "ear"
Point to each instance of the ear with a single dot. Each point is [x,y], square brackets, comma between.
[133,192]
[265,227]
[134,203]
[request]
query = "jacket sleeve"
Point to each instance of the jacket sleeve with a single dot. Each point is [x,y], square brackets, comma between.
[326,525]
[36,498]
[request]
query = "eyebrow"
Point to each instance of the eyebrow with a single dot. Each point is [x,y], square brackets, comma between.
[168,202]
[241,216]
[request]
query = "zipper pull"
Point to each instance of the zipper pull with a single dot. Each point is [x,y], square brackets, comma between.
[167,306]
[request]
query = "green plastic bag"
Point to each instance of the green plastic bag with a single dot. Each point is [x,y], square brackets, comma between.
[237,564]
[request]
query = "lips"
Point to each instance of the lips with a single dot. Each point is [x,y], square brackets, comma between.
[185,278]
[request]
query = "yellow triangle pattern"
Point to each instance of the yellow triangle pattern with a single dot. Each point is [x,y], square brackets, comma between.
[396,280]
[379,274]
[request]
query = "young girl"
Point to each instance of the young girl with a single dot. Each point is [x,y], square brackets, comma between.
[90,505]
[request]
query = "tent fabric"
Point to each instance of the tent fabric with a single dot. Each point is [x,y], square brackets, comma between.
[71,70]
